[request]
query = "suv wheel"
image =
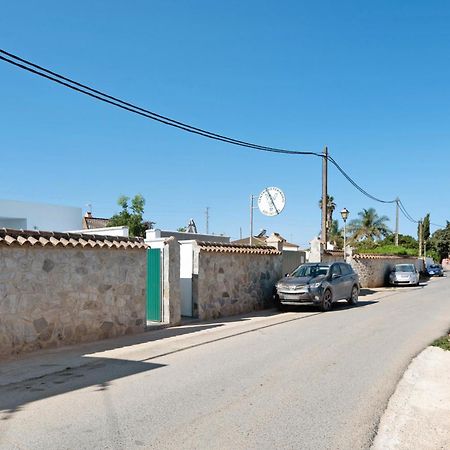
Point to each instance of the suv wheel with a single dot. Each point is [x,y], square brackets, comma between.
[353,300]
[327,301]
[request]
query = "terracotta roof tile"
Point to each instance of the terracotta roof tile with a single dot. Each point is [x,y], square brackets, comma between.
[57,239]
[236,248]
[334,252]
[245,241]
[378,256]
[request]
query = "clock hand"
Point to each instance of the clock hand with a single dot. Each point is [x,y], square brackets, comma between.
[273,203]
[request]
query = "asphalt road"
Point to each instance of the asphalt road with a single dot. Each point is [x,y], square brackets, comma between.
[296,380]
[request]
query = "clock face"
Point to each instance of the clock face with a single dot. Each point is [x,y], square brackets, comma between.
[271,201]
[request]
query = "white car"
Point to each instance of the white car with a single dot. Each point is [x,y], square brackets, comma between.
[404,274]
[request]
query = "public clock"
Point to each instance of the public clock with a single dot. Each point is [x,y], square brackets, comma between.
[271,201]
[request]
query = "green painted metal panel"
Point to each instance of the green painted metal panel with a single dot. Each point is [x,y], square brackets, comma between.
[154,284]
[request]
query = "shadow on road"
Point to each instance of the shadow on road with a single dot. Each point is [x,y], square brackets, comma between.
[340,305]
[96,373]
[345,305]
[366,291]
[48,372]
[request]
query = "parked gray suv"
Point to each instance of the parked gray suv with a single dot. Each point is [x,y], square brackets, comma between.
[319,284]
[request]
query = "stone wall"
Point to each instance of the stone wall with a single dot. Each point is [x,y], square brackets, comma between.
[373,270]
[291,260]
[50,296]
[226,284]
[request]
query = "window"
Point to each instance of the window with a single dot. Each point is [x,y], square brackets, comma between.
[345,269]
[310,271]
[335,269]
[404,268]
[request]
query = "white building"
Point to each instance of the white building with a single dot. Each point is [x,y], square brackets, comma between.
[39,216]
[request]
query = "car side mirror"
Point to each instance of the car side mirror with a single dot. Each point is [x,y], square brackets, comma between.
[335,275]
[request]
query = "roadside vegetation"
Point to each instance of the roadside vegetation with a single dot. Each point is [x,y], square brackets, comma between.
[370,234]
[407,246]
[443,342]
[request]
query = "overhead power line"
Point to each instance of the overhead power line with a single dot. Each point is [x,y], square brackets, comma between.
[437,225]
[109,99]
[84,89]
[411,219]
[360,189]
[405,212]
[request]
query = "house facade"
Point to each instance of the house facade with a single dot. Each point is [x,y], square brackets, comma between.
[38,216]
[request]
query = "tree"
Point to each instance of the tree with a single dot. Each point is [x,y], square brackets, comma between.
[368,226]
[331,206]
[404,240]
[132,218]
[335,235]
[440,242]
[426,228]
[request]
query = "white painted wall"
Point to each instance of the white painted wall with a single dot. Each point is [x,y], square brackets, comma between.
[186,271]
[181,236]
[39,216]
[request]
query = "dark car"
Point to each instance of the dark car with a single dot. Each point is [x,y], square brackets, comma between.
[320,284]
[435,270]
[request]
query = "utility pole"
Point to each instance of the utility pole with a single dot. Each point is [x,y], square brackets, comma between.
[323,236]
[396,221]
[207,219]
[420,238]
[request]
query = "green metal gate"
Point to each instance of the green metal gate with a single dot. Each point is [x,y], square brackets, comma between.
[154,284]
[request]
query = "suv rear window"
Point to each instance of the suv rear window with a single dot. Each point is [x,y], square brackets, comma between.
[346,269]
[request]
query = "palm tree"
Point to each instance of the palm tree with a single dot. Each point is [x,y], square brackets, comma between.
[369,226]
[331,206]
[335,235]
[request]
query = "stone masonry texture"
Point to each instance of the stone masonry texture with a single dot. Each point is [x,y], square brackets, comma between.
[56,296]
[234,283]
[374,272]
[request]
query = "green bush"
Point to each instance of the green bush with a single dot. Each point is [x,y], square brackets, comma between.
[443,342]
[388,250]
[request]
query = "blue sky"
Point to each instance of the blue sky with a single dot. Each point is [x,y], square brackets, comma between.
[368,79]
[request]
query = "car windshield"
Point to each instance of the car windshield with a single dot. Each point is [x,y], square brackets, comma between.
[405,268]
[310,271]
[434,266]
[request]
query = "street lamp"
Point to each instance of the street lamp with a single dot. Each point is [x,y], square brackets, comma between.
[344,214]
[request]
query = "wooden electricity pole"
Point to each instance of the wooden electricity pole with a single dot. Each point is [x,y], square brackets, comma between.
[324,236]
[396,221]
[420,238]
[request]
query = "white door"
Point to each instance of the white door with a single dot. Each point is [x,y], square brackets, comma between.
[186,266]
